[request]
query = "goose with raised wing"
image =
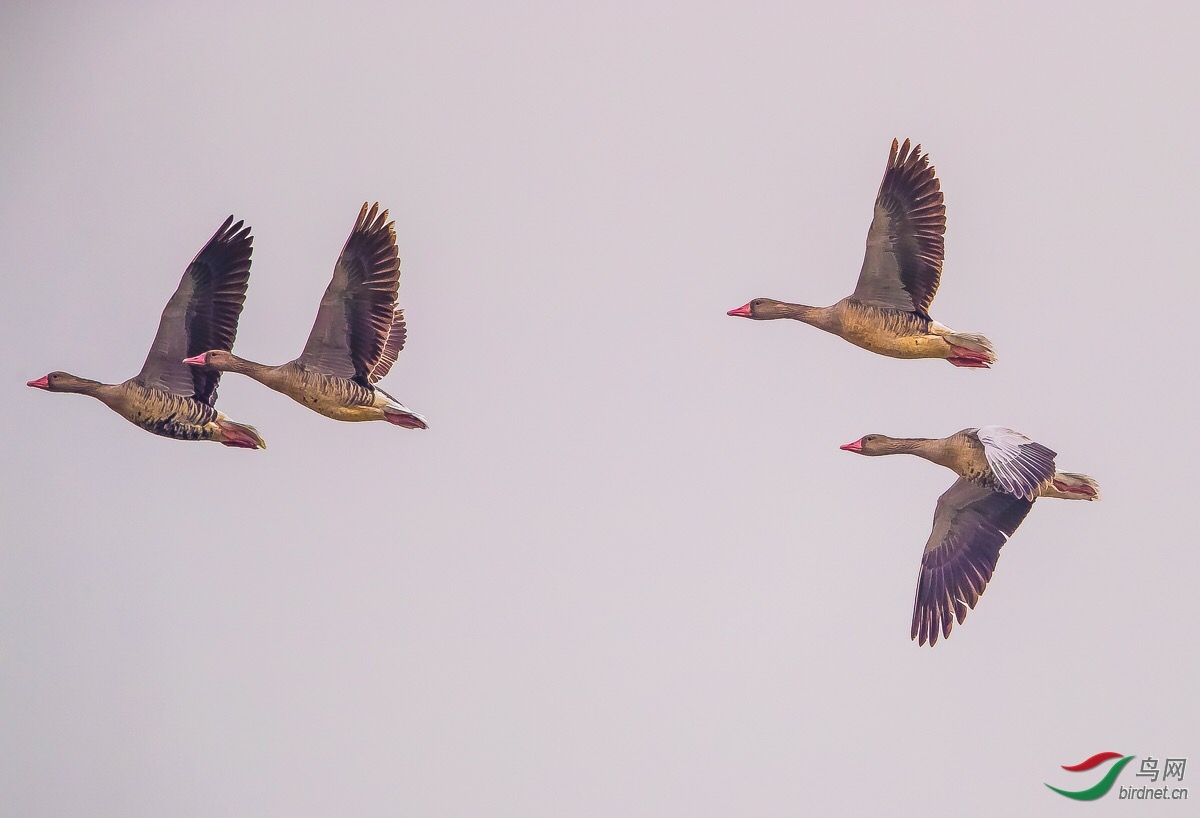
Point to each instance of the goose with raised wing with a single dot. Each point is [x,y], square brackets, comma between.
[1000,474]
[888,312]
[168,397]
[354,341]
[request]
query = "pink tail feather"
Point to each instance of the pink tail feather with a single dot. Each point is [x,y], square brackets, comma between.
[970,349]
[407,420]
[1069,486]
[239,435]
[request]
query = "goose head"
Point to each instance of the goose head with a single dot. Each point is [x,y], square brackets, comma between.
[761,309]
[217,359]
[870,445]
[63,382]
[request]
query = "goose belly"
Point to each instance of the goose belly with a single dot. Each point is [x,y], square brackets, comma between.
[892,333]
[337,407]
[175,425]
[895,345]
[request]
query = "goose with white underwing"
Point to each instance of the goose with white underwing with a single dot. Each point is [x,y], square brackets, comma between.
[1000,475]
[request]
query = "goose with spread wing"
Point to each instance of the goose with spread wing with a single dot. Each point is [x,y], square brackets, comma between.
[168,397]
[354,341]
[1000,474]
[888,312]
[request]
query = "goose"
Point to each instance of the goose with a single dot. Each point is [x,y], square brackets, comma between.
[167,397]
[888,312]
[357,335]
[1000,474]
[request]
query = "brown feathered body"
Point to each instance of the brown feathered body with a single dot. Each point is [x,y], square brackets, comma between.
[893,333]
[160,412]
[329,395]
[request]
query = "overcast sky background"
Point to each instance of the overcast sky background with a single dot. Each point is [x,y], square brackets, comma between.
[626,572]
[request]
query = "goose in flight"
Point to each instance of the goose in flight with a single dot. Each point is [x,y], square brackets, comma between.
[168,397]
[888,312]
[354,341]
[1000,474]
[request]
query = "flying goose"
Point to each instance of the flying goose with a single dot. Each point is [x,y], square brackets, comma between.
[168,397]
[1001,473]
[354,341]
[888,312]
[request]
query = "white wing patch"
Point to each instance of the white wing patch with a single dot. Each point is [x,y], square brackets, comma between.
[1020,465]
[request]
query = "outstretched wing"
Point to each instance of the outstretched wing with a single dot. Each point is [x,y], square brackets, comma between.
[1021,466]
[906,242]
[201,315]
[391,350]
[355,317]
[970,525]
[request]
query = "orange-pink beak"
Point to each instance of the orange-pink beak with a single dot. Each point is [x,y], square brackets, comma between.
[856,446]
[41,383]
[195,360]
[742,311]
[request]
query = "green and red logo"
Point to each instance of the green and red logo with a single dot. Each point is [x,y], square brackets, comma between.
[1101,787]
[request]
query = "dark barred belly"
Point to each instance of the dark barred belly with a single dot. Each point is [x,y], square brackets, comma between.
[170,427]
[182,420]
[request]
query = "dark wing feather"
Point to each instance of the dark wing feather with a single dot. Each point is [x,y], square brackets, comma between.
[906,242]
[970,525]
[391,350]
[355,316]
[201,315]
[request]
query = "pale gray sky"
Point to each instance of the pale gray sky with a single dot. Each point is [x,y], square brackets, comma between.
[627,571]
